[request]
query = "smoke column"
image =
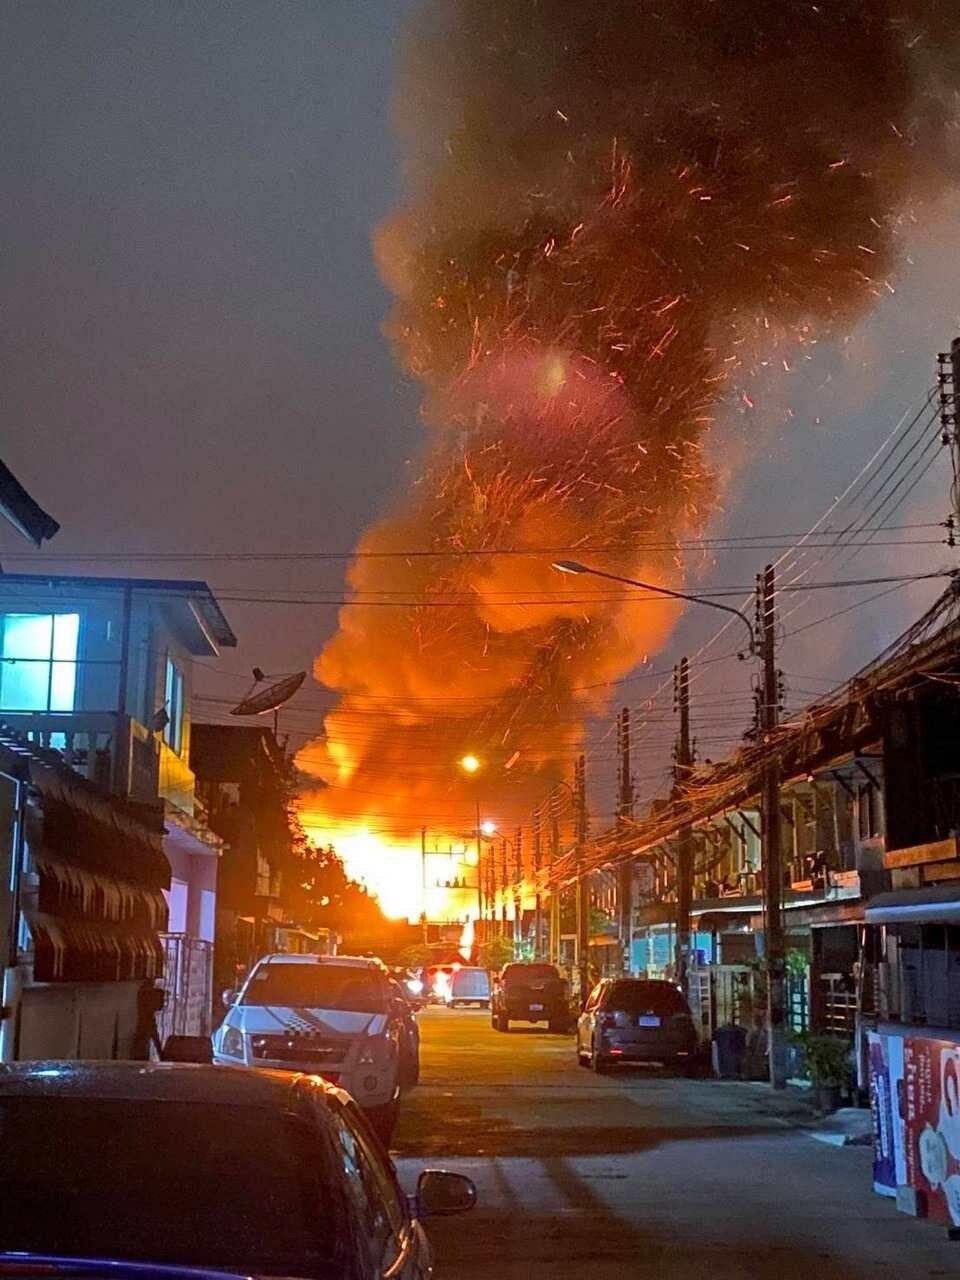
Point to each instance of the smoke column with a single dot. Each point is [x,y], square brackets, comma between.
[612,205]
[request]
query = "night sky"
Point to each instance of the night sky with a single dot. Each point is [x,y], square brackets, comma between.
[191,357]
[191,352]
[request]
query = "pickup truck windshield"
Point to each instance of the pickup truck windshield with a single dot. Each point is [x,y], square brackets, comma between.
[317,986]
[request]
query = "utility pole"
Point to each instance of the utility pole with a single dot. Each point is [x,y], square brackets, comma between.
[681,775]
[538,899]
[624,813]
[504,882]
[948,378]
[423,883]
[774,950]
[554,952]
[583,883]
[517,898]
[480,937]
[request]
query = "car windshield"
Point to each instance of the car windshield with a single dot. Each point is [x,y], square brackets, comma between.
[317,986]
[645,997]
[529,973]
[182,1184]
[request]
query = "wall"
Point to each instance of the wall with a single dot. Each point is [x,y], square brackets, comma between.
[78,1020]
[199,873]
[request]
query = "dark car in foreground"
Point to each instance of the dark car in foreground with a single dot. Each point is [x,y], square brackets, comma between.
[530,993]
[636,1020]
[252,1172]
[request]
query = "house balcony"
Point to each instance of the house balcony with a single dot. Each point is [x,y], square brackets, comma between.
[116,753]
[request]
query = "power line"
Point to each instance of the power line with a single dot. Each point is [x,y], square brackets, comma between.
[735,541]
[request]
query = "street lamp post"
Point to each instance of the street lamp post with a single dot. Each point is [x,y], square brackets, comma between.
[470,764]
[770,804]
[576,568]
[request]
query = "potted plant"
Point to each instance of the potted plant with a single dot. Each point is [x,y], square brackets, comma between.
[829,1068]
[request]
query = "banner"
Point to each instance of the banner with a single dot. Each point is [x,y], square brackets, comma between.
[931,1099]
[882,1107]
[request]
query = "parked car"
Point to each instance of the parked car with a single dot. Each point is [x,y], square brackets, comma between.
[636,1020]
[257,1173]
[337,1016]
[468,986]
[410,1043]
[530,993]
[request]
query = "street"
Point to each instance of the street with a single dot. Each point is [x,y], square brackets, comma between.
[639,1173]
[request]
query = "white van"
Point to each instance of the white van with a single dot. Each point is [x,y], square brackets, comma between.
[333,1016]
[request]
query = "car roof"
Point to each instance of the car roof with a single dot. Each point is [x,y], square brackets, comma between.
[643,982]
[154,1082]
[355,962]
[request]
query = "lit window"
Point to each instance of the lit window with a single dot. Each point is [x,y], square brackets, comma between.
[38,661]
[173,703]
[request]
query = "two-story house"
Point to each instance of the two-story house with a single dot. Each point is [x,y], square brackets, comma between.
[96,679]
[243,780]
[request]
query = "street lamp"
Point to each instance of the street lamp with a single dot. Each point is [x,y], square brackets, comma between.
[575,567]
[470,764]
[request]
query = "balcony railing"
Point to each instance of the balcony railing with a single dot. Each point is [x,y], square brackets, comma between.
[115,752]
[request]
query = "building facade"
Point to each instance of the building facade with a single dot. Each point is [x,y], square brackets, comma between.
[95,681]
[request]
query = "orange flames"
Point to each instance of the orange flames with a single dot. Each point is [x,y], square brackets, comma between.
[611,209]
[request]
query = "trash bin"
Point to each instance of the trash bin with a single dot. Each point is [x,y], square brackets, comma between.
[729,1050]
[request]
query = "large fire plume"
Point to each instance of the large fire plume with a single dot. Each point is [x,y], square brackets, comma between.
[613,206]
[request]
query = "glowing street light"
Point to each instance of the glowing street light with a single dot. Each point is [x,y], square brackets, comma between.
[469,764]
[488,828]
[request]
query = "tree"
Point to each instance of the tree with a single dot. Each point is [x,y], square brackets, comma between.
[496,953]
[324,896]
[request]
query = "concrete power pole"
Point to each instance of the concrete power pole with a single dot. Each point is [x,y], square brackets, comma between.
[683,764]
[504,886]
[624,812]
[583,879]
[538,898]
[948,378]
[517,896]
[774,949]
[554,949]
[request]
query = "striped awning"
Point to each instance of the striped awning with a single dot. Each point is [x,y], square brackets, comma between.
[78,951]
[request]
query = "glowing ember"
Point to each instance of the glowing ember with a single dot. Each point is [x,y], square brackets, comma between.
[613,207]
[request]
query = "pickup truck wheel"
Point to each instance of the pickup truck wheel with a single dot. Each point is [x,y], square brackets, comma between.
[501,1022]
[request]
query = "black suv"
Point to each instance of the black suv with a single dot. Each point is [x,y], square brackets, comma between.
[530,993]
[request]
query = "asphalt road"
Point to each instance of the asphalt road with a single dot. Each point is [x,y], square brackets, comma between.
[639,1174]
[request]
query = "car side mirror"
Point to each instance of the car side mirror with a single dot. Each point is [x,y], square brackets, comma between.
[197,1049]
[440,1194]
[229,997]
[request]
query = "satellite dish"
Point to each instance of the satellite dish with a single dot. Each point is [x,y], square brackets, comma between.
[259,701]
